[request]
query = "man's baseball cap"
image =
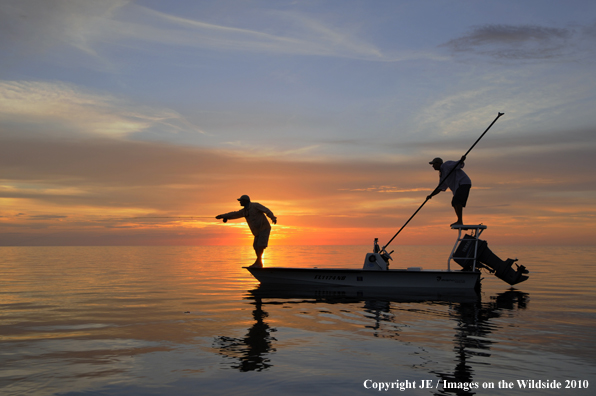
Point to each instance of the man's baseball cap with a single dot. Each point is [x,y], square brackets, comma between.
[244,198]
[436,160]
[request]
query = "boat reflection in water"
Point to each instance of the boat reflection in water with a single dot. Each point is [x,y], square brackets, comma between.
[372,309]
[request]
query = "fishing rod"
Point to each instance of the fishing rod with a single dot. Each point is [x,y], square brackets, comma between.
[172,217]
[443,180]
[159,217]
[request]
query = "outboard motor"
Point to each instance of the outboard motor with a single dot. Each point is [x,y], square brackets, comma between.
[485,258]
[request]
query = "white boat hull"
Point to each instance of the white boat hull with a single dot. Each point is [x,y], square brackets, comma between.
[398,279]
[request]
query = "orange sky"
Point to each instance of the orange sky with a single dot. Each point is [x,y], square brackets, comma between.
[97,191]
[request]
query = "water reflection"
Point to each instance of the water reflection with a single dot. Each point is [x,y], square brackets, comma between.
[472,336]
[252,350]
[373,310]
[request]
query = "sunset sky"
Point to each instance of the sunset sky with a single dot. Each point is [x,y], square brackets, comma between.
[137,122]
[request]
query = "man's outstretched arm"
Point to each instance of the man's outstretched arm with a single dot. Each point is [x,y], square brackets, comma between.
[231,215]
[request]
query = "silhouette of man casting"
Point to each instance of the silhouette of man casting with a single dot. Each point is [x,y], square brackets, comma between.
[254,213]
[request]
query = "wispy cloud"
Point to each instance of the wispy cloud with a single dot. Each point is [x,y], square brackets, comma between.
[188,32]
[385,189]
[517,42]
[281,32]
[536,105]
[65,109]
[34,26]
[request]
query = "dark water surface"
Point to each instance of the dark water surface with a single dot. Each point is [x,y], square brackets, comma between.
[191,321]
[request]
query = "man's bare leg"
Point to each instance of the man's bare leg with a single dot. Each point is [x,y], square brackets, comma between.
[259,262]
[459,211]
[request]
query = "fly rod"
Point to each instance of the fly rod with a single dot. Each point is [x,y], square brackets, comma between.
[443,180]
[162,217]
[173,217]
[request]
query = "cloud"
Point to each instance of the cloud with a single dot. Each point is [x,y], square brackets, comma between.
[47,217]
[539,103]
[304,35]
[513,42]
[540,142]
[37,26]
[33,26]
[278,32]
[62,108]
[103,187]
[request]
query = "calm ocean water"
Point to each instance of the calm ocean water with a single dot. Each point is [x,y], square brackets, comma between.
[191,321]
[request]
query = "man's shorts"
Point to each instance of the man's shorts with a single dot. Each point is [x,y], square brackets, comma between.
[262,239]
[461,195]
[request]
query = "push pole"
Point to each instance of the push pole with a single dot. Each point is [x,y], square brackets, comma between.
[445,178]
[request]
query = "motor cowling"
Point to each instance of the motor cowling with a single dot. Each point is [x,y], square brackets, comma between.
[464,256]
[375,261]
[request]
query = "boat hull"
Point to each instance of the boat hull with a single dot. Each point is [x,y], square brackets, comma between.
[396,279]
[355,294]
